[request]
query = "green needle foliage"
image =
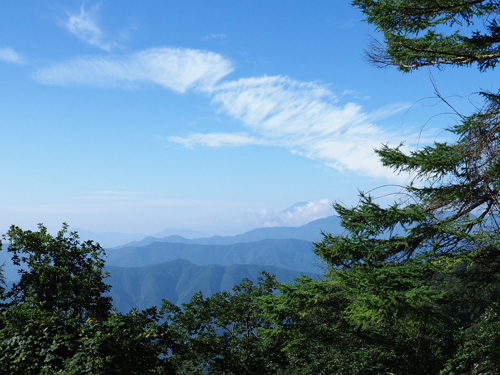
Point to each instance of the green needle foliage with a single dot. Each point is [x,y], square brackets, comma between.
[421,33]
[413,287]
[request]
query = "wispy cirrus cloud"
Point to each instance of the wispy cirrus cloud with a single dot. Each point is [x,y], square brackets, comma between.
[178,69]
[8,55]
[218,140]
[112,195]
[85,27]
[215,36]
[305,117]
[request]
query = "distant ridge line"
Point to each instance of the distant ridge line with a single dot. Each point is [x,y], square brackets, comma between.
[308,232]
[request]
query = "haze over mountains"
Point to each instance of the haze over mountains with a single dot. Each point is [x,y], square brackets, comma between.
[143,272]
[178,280]
[296,255]
[308,232]
[113,239]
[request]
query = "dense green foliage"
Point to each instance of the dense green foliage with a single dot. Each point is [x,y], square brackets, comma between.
[57,318]
[222,334]
[58,274]
[434,32]
[411,288]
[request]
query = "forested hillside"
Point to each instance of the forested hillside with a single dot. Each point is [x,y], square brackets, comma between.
[410,288]
[291,254]
[178,280]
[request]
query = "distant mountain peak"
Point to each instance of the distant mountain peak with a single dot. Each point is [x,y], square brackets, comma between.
[186,233]
[294,207]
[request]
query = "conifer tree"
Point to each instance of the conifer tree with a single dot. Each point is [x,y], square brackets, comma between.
[421,33]
[412,287]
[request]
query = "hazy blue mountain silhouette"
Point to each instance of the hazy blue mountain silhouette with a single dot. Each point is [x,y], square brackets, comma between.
[309,232]
[178,280]
[291,254]
[174,267]
[112,239]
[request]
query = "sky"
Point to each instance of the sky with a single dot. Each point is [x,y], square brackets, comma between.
[217,116]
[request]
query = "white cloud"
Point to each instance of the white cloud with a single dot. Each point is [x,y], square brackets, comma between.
[308,119]
[305,117]
[297,215]
[265,103]
[111,195]
[84,26]
[178,69]
[8,55]
[217,140]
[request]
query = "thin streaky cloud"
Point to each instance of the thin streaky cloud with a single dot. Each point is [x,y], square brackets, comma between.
[217,140]
[178,69]
[117,206]
[85,27]
[215,36]
[265,103]
[120,192]
[103,198]
[308,119]
[8,55]
[112,195]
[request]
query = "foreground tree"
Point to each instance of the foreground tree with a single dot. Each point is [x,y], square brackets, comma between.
[120,344]
[221,334]
[58,274]
[421,33]
[57,318]
[60,287]
[412,288]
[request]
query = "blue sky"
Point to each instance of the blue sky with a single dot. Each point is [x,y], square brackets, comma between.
[216,116]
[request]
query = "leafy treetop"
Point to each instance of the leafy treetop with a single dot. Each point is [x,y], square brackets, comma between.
[58,273]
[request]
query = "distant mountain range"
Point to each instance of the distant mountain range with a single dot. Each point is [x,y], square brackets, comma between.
[295,255]
[178,280]
[309,232]
[174,267]
[112,239]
